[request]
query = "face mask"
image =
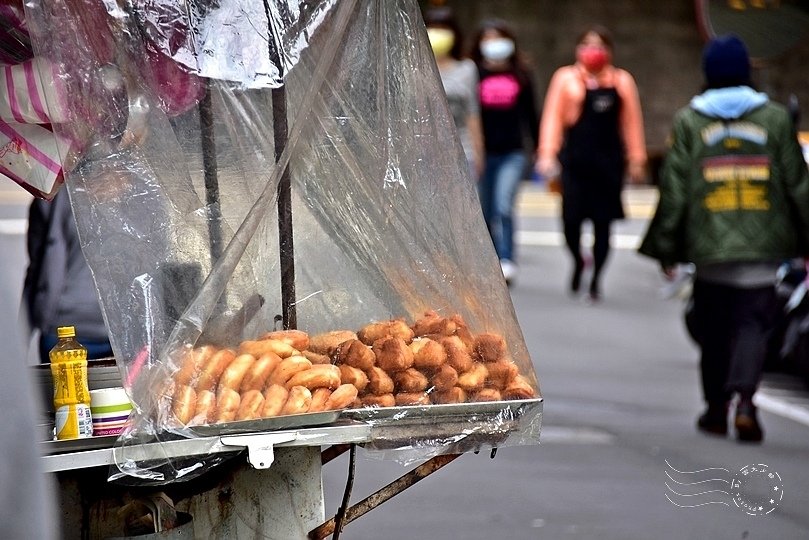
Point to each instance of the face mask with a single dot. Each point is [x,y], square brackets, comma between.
[497,50]
[592,57]
[441,40]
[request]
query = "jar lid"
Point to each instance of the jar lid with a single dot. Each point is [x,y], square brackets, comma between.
[66,331]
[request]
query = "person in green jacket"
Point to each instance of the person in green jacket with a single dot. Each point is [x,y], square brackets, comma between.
[734,201]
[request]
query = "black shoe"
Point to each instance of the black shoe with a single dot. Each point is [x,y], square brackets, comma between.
[714,420]
[595,292]
[747,427]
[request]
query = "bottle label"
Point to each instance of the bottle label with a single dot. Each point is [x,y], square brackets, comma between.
[74,422]
[70,383]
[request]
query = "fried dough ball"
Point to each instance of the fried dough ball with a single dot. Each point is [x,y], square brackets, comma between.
[375,331]
[379,382]
[352,375]
[455,394]
[298,339]
[431,323]
[383,400]
[298,402]
[319,397]
[473,379]
[519,388]
[487,394]
[328,342]
[342,397]
[412,398]
[428,355]
[463,333]
[356,354]
[501,373]
[490,347]
[316,358]
[260,347]
[457,354]
[191,363]
[392,354]
[410,380]
[444,378]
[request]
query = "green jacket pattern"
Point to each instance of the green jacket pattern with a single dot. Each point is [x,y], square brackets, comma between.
[731,191]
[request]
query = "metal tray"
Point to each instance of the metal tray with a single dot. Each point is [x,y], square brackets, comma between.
[77,445]
[290,421]
[511,408]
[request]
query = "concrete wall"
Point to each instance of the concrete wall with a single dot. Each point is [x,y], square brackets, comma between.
[658,41]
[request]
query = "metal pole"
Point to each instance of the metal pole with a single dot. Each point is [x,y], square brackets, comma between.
[285,233]
[210,169]
[387,492]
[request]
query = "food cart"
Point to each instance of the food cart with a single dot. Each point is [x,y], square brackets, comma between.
[281,180]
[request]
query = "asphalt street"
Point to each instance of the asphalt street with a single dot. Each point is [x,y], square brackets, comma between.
[621,390]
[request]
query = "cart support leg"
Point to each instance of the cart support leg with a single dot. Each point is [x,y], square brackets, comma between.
[387,492]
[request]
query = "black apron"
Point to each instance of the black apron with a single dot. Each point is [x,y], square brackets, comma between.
[592,159]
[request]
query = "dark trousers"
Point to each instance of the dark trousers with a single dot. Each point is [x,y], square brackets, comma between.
[732,327]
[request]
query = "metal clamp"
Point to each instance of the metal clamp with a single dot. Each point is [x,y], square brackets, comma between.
[260,452]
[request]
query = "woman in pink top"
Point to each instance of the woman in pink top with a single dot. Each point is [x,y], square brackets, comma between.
[591,135]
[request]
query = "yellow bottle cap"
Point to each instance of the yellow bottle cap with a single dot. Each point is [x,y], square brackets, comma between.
[66,331]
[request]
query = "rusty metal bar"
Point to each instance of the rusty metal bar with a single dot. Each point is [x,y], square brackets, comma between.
[339,519]
[387,492]
[333,452]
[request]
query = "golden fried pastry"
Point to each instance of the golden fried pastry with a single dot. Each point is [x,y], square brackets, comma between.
[379,382]
[352,375]
[410,380]
[327,343]
[428,355]
[234,374]
[490,347]
[463,333]
[319,397]
[183,403]
[193,360]
[299,400]
[473,379]
[487,394]
[275,396]
[287,368]
[455,394]
[316,358]
[206,405]
[227,404]
[444,378]
[319,376]
[501,373]
[412,398]
[260,347]
[298,339]
[431,323]
[256,377]
[381,400]
[457,354]
[392,354]
[250,406]
[356,354]
[208,378]
[518,388]
[342,397]
[375,331]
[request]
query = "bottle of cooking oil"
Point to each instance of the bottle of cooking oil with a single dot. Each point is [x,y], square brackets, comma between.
[71,394]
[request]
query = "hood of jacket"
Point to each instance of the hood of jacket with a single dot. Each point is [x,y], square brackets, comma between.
[728,103]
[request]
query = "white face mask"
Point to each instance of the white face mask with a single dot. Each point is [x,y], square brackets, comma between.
[497,50]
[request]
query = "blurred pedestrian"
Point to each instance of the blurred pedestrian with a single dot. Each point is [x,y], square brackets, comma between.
[459,76]
[734,201]
[591,135]
[59,289]
[509,116]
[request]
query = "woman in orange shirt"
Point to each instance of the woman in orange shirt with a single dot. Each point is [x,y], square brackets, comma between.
[592,135]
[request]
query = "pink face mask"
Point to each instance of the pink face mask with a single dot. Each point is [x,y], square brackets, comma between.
[592,57]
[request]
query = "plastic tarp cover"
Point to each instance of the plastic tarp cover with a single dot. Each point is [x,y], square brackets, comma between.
[244,167]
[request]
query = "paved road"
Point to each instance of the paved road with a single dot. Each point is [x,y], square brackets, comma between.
[621,388]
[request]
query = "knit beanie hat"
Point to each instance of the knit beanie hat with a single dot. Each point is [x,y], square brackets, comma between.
[725,62]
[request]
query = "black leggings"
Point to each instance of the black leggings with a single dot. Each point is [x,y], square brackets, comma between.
[601,245]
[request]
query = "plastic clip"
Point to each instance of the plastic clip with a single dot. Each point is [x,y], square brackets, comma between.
[260,452]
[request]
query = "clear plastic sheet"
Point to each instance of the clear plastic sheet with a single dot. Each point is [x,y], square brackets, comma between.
[245,167]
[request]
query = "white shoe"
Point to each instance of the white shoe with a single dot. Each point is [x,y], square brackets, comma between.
[509,270]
